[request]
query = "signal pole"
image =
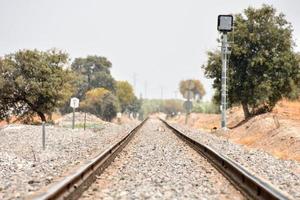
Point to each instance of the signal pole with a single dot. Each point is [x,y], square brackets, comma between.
[225,25]
[224,50]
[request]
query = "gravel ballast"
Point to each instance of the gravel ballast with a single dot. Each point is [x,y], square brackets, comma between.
[283,174]
[156,164]
[25,167]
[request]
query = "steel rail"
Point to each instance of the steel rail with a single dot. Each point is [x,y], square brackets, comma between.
[248,184]
[71,187]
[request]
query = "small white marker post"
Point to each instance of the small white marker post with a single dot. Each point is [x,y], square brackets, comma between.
[119,115]
[74,103]
[44,135]
[84,123]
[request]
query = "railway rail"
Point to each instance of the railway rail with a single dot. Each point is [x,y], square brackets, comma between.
[74,185]
[251,186]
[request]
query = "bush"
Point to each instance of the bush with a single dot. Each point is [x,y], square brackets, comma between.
[206,107]
[101,103]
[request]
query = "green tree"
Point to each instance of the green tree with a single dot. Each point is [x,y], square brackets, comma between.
[135,106]
[172,106]
[168,106]
[295,86]
[262,66]
[93,72]
[100,102]
[195,86]
[125,95]
[33,82]
[150,106]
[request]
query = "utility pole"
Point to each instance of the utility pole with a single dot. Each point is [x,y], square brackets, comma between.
[225,25]
[145,87]
[175,94]
[134,82]
[189,104]
[161,92]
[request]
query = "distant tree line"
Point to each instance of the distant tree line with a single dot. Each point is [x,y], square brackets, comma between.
[39,83]
[169,106]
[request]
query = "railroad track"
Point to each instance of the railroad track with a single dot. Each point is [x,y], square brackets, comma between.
[250,186]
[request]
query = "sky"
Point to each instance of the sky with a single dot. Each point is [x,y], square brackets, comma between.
[153,44]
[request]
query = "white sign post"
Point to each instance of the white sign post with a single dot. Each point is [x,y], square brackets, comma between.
[74,103]
[119,115]
[43,135]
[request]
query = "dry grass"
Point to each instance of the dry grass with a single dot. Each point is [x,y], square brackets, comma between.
[277,132]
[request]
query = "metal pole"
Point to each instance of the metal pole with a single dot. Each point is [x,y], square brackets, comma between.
[145,95]
[44,135]
[73,120]
[84,121]
[89,80]
[89,87]
[188,102]
[134,82]
[224,86]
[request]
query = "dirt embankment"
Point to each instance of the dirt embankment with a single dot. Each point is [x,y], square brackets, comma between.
[277,132]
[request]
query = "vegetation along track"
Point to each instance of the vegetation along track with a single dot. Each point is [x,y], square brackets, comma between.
[157,164]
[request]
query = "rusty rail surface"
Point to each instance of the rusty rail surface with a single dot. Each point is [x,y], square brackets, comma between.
[248,184]
[74,185]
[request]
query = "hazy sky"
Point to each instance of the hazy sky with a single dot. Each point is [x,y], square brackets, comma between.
[160,41]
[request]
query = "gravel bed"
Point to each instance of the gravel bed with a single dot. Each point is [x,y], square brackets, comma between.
[66,120]
[25,167]
[158,165]
[283,174]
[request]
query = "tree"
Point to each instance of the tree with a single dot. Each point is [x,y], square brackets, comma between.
[93,72]
[100,102]
[168,106]
[125,95]
[195,86]
[150,106]
[109,107]
[135,105]
[262,66]
[206,107]
[295,88]
[172,106]
[33,82]
[82,65]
